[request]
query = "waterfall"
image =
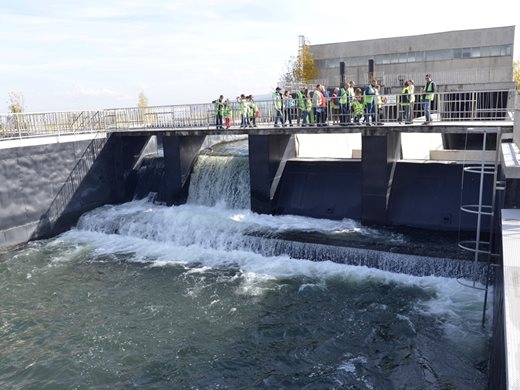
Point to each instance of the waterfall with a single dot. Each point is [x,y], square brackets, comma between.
[220,180]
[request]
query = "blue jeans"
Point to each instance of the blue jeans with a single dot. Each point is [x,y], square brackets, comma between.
[370,111]
[278,117]
[427,115]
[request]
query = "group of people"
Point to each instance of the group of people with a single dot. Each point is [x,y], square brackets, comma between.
[407,100]
[346,106]
[247,110]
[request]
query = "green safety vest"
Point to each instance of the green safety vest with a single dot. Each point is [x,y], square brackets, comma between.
[343,96]
[308,104]
[277,101]
[429,88]
[405,96]
[300,100]
[218,107]
[226,112]
[358,107]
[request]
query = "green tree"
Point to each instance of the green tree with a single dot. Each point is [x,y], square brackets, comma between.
[142,101]
[16,102]
[516,73]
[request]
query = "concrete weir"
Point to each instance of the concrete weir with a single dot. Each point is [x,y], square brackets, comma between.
[48,185]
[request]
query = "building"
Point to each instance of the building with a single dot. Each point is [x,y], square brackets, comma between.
[466,60]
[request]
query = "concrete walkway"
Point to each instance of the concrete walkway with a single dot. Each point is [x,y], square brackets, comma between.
[511,258]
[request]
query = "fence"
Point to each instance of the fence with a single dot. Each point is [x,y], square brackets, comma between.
[447,106]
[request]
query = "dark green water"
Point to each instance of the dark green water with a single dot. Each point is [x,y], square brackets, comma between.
[74,316]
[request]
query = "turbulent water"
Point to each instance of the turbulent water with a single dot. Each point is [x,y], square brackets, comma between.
[154,297]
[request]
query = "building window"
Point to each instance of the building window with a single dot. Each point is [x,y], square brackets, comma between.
[466,52]
[475,52]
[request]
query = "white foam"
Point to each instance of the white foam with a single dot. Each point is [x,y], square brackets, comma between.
[203,238]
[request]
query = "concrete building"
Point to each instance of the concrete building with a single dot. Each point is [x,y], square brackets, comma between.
[465,60]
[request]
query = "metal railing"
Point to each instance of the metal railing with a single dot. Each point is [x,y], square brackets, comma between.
[446,106]
[50,123]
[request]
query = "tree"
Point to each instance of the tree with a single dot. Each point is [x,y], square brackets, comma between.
[516,73]
[302,69]
[305,68]
[142,101]
[16,102]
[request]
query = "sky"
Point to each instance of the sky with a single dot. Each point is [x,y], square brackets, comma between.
[65,55]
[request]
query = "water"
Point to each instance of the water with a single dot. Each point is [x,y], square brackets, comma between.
[154,297]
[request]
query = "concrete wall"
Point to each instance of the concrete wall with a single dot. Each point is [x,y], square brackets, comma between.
[423,195]
[478,73]
[443,40]
[38,199]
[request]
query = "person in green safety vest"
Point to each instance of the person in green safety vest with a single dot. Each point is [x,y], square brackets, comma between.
[307,113]
[429,95]
[404,103]
[243,108]
[358,108]
[253,111]
[218,105]
[226,113]
[300,106]
[277,101]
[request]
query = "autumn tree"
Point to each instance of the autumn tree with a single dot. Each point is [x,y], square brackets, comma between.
[142,101]
[305,68]
[16,102]
[301,69]
[516,73]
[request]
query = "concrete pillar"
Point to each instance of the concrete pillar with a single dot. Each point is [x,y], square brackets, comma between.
[379,155]
[179,155]
[268,155]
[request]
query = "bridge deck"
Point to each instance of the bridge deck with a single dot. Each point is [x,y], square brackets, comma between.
[435,127]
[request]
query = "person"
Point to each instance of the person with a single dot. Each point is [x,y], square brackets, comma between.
[380,102]
[343,105]
[253,111]
[300,106]
[429,95]
[358,106]
[404,102]
[411,95]
[243,110]
[288,103]
[334,106]
[218,105]
[277,100]
[350,97]
[306,120]
[370,104]
[317,102]
[226,113]
[324,104]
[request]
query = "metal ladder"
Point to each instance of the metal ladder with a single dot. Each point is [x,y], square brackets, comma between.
[483,249]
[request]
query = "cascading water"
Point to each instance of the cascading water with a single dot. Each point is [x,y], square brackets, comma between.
[211,295]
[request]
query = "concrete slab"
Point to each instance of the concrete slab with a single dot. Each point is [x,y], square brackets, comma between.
[462,155]
[511,269]
[511,159]
[45,140]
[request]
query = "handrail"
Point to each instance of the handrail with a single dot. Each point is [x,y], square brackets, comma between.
[447,106]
